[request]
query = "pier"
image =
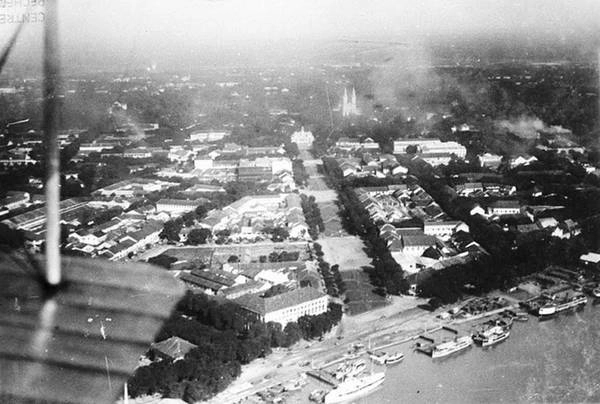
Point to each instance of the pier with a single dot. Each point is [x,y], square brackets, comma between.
[323,376]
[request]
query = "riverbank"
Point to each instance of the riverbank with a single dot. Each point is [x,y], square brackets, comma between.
[401,321]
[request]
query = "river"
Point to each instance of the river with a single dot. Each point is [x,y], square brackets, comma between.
[542,361]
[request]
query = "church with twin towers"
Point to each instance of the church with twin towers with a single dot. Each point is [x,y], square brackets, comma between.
[349,107]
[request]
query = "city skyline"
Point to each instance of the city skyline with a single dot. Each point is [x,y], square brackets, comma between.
[133,32]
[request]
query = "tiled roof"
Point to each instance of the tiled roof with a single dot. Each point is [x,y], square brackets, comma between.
[506,204]
[419,240]
[261,305]
[173,347]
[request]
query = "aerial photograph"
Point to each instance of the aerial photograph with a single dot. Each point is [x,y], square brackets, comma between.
[299,201]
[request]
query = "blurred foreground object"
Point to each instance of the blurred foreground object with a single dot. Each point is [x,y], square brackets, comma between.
[78,342]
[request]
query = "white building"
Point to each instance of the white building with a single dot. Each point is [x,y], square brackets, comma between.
[505,207]
[134,187]
[444,147]
[176,207]
[285,307]
[415,245]
[179,155]
[401,145]
[349,107]
[304,139]
[444,229]
[208,135]
[14,200]
[436,159]
[524,160]
[430,147]
[490,160]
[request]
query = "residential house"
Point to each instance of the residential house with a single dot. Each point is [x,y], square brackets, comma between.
[489,160]
[173,348]
[567,229]
[590,259]
[415,245]
[15,200]
[444,229]
[521,160]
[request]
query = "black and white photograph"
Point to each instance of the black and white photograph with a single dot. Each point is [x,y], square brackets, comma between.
[299,201]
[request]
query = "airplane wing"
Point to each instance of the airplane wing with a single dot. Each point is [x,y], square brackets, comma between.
[81,343]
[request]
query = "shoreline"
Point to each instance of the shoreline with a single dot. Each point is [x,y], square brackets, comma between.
[384,327]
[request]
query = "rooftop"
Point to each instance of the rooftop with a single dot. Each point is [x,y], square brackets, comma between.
[173,347]
[261,305]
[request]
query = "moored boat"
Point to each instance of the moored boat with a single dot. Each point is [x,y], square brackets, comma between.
[317,396]
[522,317]
[350,369]
[568,303]
[354,387]
[547,310]
[394,358]
[357,368]
[449,347]
[494,335]
[379,358]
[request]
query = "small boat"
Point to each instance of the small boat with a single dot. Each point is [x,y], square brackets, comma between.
[294,385]
[354,387]
[547,310]
[596,292]
[522,317]
[379,358]
[394,358]
[317,396]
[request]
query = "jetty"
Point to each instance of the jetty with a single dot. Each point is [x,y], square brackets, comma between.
[323,376]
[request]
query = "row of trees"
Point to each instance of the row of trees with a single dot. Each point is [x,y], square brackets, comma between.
[226,338]
[512,255]
[172,228]
[299,171]
[331,275]
[385,273]
[312,213]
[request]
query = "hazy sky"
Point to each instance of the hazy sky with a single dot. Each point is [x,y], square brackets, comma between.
[146,29]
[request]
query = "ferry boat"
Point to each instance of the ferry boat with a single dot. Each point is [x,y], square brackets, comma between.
[394,358]
[569,303]
[354,387]
[492,336]
[449,347]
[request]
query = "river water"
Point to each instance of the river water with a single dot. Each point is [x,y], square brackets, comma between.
[557,360]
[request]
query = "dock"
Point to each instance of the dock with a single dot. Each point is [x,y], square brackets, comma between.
[323,376]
